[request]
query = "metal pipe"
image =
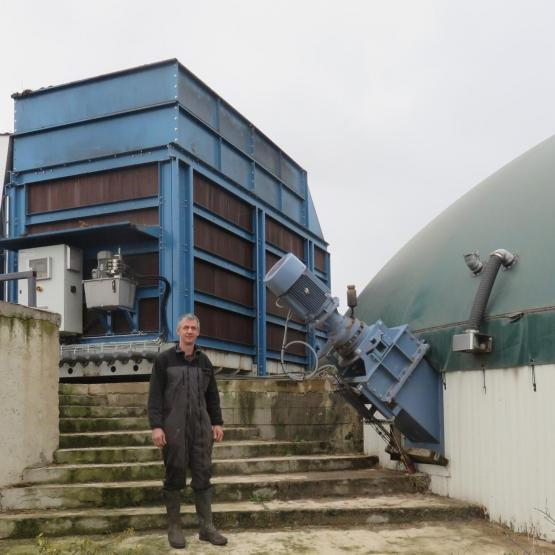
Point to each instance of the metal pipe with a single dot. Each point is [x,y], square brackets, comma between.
[497,258]
[31,278]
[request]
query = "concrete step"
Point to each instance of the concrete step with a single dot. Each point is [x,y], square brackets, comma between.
[100,411]
[224,450]
[74,425]
[109,399]
[257,487]
[122,472]
[138,437]
[299,513]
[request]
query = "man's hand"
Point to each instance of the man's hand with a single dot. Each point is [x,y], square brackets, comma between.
[159,437]
[218,433]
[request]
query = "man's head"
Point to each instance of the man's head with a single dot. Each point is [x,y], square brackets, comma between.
[188,329]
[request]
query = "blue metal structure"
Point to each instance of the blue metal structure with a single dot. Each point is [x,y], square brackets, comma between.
[162,115]
[384,367]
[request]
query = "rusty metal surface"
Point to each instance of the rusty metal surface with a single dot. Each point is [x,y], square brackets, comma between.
[97,188]
[223,284]
[225,326]
[275,339]
[218,200]
[149,316]
[319,259]
[281,237]
[147,216]
[215,240]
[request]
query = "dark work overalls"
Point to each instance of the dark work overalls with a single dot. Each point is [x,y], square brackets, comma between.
[184,401]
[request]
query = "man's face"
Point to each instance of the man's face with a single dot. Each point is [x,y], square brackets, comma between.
[188,332]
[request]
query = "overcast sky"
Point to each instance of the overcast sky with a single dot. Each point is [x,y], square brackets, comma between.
[395,108]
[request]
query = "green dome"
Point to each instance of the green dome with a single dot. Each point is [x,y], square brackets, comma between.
[428,286]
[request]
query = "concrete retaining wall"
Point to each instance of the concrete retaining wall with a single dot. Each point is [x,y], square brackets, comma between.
[281,409]
[29,389]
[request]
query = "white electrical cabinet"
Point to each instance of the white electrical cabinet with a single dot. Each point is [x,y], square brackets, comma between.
[59,274]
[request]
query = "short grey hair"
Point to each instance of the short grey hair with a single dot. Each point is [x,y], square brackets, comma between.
[188,316]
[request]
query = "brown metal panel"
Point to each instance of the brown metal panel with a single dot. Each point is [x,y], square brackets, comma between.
[275,339]
[224,325]
[319,259]
[281,237]
[97,188]
[149,316]
[218,200]
[217,241]
[223,284]
[146,264]
[271,259]
[147,216]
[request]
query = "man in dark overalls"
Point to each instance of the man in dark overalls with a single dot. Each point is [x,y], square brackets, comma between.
[185,417]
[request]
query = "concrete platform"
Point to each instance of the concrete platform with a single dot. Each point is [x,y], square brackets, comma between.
[474,537]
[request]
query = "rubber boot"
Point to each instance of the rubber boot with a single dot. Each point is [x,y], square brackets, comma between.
[175,531]
[207,531]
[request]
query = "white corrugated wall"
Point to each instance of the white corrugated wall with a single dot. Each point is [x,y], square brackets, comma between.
[500,442]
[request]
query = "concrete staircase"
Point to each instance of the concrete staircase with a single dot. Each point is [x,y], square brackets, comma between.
[274,468]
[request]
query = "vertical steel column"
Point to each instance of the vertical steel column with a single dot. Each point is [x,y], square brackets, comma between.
[310,331]
[12,232]
[183,251]
[304,213]
[166,237]
[327,267]
[260,234]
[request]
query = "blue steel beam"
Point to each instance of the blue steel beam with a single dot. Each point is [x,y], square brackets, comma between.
[279,321]
[182,230]
[186,184]
[166,238]
[93,210]
[274,355]
[225,346]
[225,264]
[224,305]
[260,232]
[309,257]
[98,164]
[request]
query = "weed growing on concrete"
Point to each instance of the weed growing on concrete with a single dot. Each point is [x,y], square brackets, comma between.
[87,546]
[44,546]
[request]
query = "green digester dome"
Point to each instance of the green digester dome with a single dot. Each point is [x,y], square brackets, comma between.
[428,286]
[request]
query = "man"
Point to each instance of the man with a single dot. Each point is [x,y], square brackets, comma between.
[185,417]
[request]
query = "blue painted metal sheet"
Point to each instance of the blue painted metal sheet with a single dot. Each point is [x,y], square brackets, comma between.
[197,139]
[197,98]
[237,166]
[291,205]
[235,128]
[266,154]
[267,188]
[92,98]
[131,132]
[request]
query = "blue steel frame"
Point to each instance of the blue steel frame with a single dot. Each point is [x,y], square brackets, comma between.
[187,139]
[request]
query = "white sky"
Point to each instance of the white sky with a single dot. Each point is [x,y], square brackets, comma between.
[395,108]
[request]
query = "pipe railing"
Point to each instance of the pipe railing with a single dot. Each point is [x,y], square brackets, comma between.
[31,278]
